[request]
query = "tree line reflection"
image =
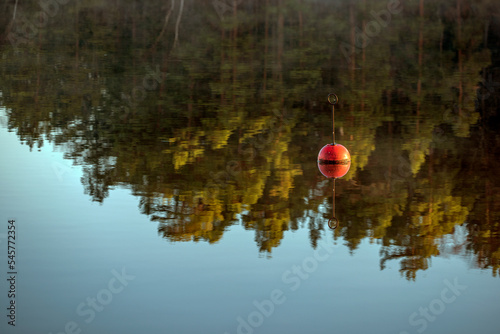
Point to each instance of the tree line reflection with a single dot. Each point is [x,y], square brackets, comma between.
[218,120]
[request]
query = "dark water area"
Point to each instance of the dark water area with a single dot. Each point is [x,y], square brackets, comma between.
[177,142]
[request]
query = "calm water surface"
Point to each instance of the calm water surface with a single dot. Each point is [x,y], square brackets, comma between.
[160,164]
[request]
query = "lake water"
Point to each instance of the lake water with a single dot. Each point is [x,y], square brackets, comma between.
[159,167]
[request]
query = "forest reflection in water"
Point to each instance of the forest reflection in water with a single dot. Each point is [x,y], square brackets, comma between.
[222,125]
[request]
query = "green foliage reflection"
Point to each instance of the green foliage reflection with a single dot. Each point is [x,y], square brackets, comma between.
[216,121]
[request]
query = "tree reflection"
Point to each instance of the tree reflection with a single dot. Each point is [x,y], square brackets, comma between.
[230,132]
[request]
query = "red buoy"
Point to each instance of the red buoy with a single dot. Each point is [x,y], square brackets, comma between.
[334,160]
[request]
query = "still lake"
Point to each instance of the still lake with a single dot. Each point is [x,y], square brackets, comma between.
[158,165]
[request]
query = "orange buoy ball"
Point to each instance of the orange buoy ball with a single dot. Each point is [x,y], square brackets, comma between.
[334,160]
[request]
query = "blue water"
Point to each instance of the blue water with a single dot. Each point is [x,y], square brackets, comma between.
[70,252]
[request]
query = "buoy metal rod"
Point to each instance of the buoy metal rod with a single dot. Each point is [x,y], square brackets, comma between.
[333,125]
[333,99]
